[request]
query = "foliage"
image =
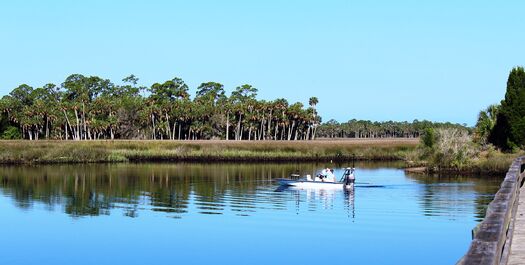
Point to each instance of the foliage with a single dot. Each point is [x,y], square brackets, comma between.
[429,138]
[502,125]
[485,124]
[388,129]
[452,149]
[509,130]
[494,161]
[255,151]
[11,133]
[91,108]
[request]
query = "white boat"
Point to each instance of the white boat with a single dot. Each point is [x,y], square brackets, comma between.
[301,183]
[347,181]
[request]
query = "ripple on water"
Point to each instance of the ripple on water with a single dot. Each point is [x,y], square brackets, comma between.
[213,204]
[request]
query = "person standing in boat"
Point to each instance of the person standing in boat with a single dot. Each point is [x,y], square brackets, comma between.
[330,177]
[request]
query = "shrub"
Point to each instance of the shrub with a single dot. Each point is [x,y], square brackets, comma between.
[453,148]
[11,133]
[429,137]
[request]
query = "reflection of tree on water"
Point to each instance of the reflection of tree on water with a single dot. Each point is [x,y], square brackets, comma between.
[90,190]
[440,192]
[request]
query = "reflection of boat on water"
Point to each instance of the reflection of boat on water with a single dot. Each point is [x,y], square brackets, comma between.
[346,181]
[316,198]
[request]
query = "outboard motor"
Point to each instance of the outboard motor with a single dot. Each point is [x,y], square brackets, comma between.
[294,175]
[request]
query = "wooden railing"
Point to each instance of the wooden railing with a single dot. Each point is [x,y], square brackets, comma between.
[492,238]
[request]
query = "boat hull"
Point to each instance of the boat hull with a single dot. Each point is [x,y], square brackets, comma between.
[312,184]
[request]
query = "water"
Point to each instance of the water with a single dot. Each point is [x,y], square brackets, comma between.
[233,214]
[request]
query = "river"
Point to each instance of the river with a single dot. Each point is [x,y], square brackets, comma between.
[234,214]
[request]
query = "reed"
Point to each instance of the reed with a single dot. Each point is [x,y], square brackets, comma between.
[494,162]
[28,152]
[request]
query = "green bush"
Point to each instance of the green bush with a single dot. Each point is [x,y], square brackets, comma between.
[429,138]
[449,148]
[11,133]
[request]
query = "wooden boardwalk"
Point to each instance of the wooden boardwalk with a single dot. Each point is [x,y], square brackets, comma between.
[517,251]
[500,238]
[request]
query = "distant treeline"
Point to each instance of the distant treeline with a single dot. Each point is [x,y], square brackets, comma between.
[90,108]
[387,129]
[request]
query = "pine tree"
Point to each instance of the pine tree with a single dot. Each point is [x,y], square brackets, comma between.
[509,131]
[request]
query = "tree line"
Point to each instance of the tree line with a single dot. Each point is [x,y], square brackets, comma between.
[387,129]
[90,108]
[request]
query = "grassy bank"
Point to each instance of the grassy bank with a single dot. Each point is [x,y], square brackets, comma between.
[487,163]
[453,151]
[494,162]
[32,152]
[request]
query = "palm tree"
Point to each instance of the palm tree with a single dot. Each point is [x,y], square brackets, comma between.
[486,122]
[90,107]
[313,101]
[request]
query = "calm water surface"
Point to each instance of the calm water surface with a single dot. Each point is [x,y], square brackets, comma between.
[233,214]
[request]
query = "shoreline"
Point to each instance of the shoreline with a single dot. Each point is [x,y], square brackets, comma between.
[469,171]
[48,152]
[116,151]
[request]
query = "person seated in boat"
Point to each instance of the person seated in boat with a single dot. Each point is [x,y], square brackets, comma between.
[321,176]
[327,175]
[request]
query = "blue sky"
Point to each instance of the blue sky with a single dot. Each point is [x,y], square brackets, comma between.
[377,60]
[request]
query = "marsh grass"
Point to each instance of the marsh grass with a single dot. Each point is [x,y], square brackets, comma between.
[457,153]
[49,152]
[21,152]
[493,161]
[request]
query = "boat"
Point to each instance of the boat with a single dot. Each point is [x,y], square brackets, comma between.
[347,181]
